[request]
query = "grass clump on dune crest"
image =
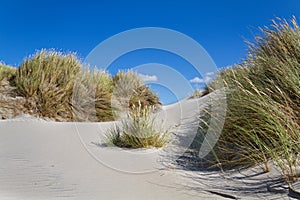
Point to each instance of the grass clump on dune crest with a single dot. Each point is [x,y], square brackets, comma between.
[263,104]
[10,105]
[130,91]
[46,80]
[57,86]
[138,130]
[103,96]
[92,96]
[6,72]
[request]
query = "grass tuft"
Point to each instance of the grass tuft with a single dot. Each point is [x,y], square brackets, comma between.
[138,130]
[198,93]
[130,92]
[91,99]
[46,80]
[7,72]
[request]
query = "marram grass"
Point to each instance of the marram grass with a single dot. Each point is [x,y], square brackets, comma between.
[58,86]
[130,92]
[139,130]
[263,104]
[46,80]
[6,72]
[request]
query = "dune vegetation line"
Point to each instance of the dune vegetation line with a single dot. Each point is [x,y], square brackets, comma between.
[45,84]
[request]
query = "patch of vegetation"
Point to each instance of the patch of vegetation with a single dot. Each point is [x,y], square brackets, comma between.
[263,104]
[7,72]
[130,91]
[10,106]
[46,80]
[91,100]
[195,95]
[198,93]
[57,86]
[138,130]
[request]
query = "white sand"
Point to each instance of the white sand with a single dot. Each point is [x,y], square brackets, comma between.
[51,160]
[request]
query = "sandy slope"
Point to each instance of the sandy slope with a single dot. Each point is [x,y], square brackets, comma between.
[49,160]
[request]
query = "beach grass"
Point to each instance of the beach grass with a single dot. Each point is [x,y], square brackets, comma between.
[6,72]
[262,124]
[138,130]
[60,87]
[130,92]
[199,93]
[91,100]
[46,80]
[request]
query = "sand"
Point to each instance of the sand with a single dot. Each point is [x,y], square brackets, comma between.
[56,160]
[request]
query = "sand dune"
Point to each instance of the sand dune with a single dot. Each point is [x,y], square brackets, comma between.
[50,160]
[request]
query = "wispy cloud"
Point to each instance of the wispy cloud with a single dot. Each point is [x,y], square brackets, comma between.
[146,77]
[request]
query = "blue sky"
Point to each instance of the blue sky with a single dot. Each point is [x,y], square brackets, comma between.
[79,26]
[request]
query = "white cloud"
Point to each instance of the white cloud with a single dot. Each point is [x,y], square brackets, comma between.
[146,77]
[208,77]
[197,80]
[210,73]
